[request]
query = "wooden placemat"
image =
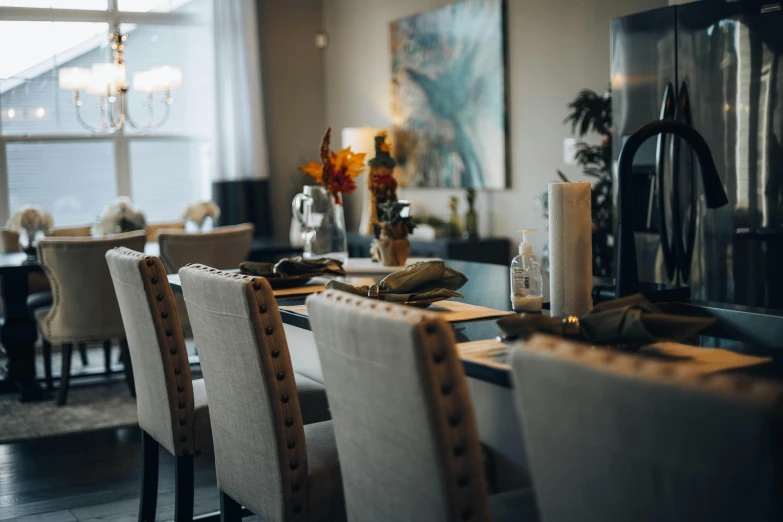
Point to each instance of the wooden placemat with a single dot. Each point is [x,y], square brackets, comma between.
[449,311]
[702,361]
[489,353]
[299,290]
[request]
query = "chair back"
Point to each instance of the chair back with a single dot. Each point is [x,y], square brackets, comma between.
[620,437]
[223,247]
[84,305]
[403,419]
[161,370]
[10,240]
[260,449]
[82,231]
[154,228]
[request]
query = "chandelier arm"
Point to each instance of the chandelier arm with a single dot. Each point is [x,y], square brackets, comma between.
[78,105]
[151,126]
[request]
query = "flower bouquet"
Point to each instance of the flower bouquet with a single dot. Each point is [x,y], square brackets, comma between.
[200,216]
[31,222]
[119,216]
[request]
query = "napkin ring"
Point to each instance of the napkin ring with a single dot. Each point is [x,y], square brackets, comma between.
[571,326]
[373,292]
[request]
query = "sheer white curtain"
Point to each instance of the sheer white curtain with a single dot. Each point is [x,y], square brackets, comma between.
[240,137]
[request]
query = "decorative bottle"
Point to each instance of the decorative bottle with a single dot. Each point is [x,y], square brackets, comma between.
[527,289]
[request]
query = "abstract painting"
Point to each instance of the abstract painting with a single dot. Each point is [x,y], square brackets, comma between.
[449,96]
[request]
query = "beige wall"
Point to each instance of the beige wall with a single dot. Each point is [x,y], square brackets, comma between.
[293,78]
[556,47]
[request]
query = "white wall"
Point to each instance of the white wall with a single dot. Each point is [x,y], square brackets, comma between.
[556,47]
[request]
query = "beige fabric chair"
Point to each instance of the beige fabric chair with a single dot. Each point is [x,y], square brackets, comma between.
[267,456]
[223,248]
[172,407]
[621,437]
[84,307]
[154,228]
[403,418]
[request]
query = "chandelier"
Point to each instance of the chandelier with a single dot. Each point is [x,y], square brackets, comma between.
[108,81]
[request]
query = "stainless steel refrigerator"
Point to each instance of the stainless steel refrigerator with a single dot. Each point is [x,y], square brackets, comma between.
[719,67]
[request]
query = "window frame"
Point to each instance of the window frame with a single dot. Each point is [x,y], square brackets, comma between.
[121,139]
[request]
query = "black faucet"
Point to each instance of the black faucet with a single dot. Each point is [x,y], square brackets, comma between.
[627,275]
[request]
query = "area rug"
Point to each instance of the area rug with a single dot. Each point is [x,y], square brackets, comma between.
[89,408]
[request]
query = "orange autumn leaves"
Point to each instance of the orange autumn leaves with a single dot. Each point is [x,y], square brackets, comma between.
[337,170]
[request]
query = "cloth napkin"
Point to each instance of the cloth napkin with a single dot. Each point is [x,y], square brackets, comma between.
[630,320]
[416,282]
[295,266]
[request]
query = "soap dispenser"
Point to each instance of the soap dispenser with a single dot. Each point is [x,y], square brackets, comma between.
[527,288]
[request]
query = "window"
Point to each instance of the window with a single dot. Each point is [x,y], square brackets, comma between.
[48,158]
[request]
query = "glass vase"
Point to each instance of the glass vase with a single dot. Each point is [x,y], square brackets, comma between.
[322,223]
[28,242]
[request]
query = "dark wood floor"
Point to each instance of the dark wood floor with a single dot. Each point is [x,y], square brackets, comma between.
[89,477]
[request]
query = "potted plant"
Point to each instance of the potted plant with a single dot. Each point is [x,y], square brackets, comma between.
[391,246]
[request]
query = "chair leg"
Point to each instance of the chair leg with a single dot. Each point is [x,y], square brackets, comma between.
[148,503]
[47,357]
[126,362]
[83,353]
[230,510]
[65,374]
[107,357]
[183,494]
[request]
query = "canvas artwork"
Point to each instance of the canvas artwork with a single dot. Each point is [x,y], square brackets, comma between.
[448,94]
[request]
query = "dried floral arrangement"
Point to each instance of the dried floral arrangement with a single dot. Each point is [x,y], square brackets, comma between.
[199,212]
[120,215]
[31,219]
[337,170]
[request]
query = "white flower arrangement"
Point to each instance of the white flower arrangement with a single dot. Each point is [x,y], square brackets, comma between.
[31,219]
[119,216]
[197,213]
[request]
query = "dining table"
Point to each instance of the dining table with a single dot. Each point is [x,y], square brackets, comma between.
[485,357]
[18,332]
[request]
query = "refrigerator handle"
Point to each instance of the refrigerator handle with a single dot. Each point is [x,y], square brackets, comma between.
[667,113]
[683,246]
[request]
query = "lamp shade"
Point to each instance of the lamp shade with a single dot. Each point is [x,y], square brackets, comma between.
[75,78]
[360,139]
[107,78]
[164,78]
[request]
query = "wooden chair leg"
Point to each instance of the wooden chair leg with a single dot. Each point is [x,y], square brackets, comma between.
[183,494]
[126,362]
[65,374]
[230,510]
[47,357]
[83,353]
[107,357]
[148,503]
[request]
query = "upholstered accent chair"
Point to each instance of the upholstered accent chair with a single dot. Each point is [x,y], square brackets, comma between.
[223,248]
[612,436]
[84,306]
[403,419]
[154,228]
[267,456]
[172,406]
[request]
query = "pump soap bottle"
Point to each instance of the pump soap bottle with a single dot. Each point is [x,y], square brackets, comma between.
[527,289]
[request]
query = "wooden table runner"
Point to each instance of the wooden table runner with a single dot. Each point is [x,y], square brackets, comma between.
[449,311]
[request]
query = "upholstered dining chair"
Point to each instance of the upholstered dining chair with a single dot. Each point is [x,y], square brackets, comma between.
[403,418]
[154,228]
[223,248]
[40,296]
[268,456]
[84,307]
[621,437]
[172,406]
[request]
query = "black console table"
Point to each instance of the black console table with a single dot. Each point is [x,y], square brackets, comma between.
[496,251]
